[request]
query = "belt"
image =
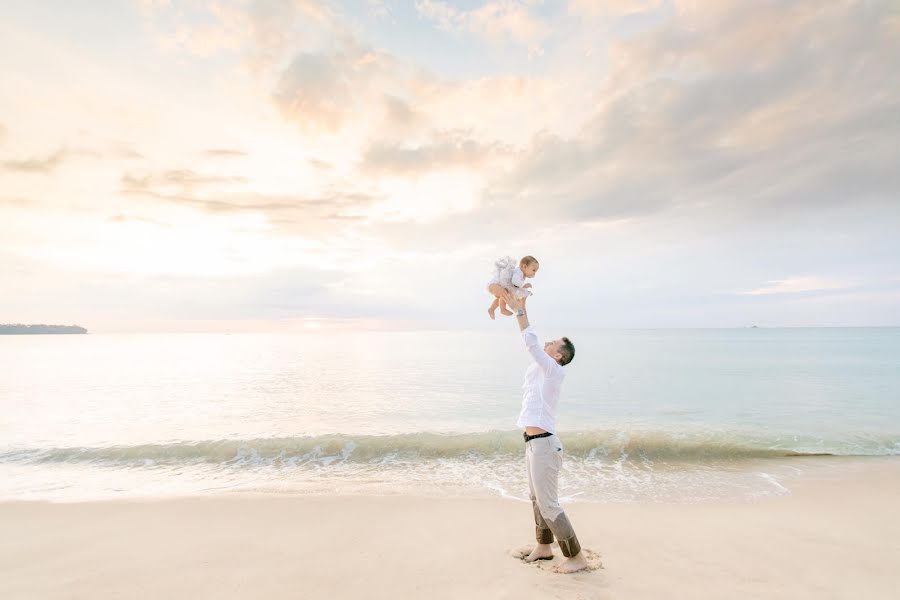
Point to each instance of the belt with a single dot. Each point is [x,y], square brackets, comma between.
[528,438]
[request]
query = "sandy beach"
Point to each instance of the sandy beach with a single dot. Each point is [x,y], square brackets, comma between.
[835,536]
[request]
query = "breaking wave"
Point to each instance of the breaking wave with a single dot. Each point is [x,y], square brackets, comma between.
[654,446]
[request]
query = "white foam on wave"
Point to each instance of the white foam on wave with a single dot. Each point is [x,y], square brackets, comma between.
[628,448]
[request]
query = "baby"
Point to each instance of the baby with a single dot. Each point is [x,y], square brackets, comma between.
[510,278]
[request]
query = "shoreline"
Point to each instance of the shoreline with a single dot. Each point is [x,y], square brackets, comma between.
[832,536]
[667,483]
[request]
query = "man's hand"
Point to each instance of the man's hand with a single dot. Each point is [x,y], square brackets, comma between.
[514,304]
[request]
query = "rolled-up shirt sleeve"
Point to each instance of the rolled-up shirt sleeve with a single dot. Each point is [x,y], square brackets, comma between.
[547,364]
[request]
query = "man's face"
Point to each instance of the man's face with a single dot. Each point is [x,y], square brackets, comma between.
[552,349]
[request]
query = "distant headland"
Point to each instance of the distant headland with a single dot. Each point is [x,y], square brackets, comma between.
[20,329]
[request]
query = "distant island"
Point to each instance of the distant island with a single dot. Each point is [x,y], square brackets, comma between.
[20,329]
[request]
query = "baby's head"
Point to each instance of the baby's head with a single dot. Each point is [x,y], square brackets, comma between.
[529,266]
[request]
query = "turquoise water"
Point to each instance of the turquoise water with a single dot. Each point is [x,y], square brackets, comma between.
[688,415]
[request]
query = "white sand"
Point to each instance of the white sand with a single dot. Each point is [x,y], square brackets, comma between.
[836,536]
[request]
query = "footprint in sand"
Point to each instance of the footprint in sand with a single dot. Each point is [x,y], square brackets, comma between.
[593,558]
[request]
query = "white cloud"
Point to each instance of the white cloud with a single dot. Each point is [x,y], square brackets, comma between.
[726,142]
[612,8]
[797,285]
[685,118]
[381,9]
[497,21]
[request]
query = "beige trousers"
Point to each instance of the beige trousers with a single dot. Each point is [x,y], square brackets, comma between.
[543,460]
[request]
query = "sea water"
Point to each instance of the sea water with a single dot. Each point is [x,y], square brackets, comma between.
[645,415]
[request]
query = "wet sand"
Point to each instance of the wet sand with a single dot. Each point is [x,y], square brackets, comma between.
[835,536]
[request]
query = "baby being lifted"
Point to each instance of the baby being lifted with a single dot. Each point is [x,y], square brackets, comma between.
[509,277]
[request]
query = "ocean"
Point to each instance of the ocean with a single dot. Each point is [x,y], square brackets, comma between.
[646,415]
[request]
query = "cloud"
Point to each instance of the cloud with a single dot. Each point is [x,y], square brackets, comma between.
[612,8]
[203,191]
[324,77]
[686,119]
[797,285]
[202,29]
[50,163]
[182,178]
[224,153]
[399,116]
[125,152]
[278,28]
[381,9]
[370,95]
[321,215]
[120,218]
[47,164]
[329,80]
[315,92]
[259,31]
[325,91]
[496,21]
[319,164]
[217,204]
[703,146]
[444,150]
[15,201]
[150,6]
[202,41]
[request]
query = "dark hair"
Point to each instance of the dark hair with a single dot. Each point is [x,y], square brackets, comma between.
[527,260]
[567,350]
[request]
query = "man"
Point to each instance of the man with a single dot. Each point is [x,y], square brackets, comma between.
[543,450]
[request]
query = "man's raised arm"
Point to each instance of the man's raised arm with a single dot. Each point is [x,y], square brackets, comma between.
[521,315]
[528,334]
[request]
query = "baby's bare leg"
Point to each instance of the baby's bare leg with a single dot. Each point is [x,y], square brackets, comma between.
[497,292]
[504,309]
[493,307]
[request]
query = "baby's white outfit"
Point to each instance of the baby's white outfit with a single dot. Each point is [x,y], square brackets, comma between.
[508,274]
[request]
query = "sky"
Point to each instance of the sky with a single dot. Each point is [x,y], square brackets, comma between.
[284,165]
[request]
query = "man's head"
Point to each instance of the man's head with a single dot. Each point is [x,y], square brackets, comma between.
[561,350]
[529,266]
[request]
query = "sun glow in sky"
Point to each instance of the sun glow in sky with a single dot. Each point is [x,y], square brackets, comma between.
[305,164]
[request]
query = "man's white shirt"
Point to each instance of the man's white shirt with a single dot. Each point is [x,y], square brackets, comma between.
[541,388]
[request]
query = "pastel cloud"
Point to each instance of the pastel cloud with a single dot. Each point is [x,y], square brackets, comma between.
[611,8]
[703,146]
[323,91]
[687,119]
[796,285]
[36,165]
[497,21]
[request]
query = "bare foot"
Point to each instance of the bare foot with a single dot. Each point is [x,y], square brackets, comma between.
[533,553]
[572,565]
[491,312]
[505,311]
[540,552]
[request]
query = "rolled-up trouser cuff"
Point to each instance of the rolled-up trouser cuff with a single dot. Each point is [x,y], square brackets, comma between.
[570,547]
[543,536]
